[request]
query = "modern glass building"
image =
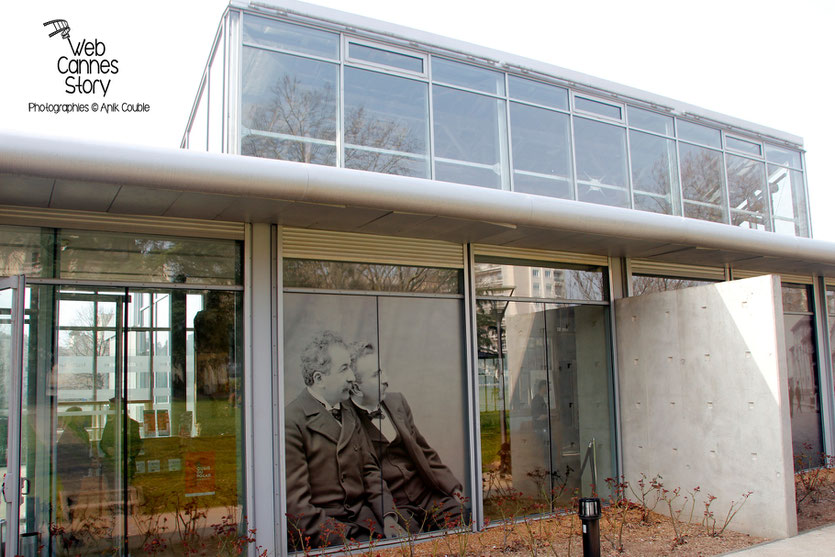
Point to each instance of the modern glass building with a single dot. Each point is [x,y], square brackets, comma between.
[531,280]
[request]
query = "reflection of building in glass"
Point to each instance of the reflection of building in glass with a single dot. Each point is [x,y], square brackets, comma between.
[550,266]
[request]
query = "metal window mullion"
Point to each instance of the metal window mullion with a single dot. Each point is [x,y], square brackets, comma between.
[277,317]
[537,300]
[290,137]
[629,186]
[727,192]
[535,105]
[468,90]
[234,58]
[615,424]
[678,209]
[826,388]
[805,194]
[304,290]
[548,372]
[135,285]
[506,169]
[224,123]
[573,147]
[370,149]
[340,104]
[15,410]
[431,122]
[473,387]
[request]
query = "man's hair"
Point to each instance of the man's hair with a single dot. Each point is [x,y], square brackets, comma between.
[316,355]
[542,383]
[358,350]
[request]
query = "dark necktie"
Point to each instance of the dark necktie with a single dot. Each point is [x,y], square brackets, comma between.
[337,413]
[377,414]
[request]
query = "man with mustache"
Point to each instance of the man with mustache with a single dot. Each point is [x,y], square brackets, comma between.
[427,494]
[334,488]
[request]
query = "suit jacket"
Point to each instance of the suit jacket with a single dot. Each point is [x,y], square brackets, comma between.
[332,473]
[424,468]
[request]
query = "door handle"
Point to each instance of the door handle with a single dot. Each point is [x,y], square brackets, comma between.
[25,486]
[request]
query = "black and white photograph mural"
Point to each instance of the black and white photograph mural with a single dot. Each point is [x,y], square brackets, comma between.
[376,440]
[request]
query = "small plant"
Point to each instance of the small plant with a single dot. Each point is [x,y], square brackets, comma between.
[619,506]
[669,497]
[646,486]
[710,524]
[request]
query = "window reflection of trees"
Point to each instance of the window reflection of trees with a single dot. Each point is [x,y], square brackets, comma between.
[746,185]
[305,114]
[643,284]
[297,111]
[336,275]
[701,175]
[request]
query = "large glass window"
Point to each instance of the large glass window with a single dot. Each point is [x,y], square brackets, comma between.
[650,121]
[648,284]
[699,134]
[128,257]
[132,397]
[544,391]
[467,76]
[375,404]
[804,394]
[654,172]
[497,129]
[541,151]
[386,123]
[830,309]
[470,138]
[537,92]
[24,251]
[702,182]
[385,57]
[746,190]
[281,35]
[145,393]
[288,107]
[601,163]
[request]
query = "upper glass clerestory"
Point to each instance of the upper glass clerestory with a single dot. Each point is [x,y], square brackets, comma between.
[294,87]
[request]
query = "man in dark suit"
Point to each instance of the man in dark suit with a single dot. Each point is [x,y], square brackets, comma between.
[334,488]
[426,493]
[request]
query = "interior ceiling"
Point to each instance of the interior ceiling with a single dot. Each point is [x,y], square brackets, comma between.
[118,199]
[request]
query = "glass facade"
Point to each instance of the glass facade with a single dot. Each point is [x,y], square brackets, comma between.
[332,98]
[804,389]
[376,401]
[132,395]
[544,384]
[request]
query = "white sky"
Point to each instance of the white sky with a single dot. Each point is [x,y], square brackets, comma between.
[766,61]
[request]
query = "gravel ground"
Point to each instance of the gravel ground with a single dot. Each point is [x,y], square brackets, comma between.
[653,537]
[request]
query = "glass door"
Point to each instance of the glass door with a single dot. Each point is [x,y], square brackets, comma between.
[12,291]
[129,419]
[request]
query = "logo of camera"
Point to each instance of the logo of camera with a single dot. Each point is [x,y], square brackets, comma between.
[87,68]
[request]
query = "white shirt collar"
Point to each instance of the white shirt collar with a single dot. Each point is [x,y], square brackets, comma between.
[328,407]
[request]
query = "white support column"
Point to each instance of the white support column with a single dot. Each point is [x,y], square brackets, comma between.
[259,374]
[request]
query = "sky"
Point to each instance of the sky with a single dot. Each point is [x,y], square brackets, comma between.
[769,62]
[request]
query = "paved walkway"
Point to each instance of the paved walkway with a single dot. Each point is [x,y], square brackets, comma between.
[820,541]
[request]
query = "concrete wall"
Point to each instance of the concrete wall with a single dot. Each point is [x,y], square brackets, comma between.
[704,397]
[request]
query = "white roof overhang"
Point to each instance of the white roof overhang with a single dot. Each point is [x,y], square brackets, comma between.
[51,173]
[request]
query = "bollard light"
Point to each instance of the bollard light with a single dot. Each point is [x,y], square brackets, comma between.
[589,508]
[589,513]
